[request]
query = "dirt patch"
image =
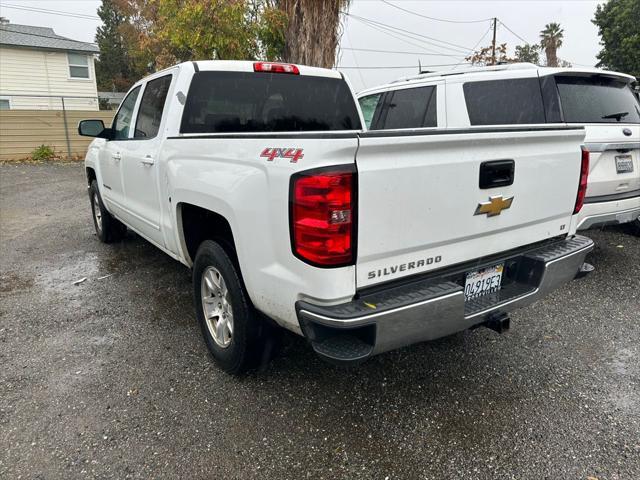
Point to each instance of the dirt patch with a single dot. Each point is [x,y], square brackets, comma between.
[12,281]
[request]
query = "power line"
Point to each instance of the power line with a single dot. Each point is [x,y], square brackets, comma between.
[514,33]
[51,12]
[409,33]
[433,18]
[395,51]
[527,43]
[475,46]
[383,67]
[404,40]
[376,67]
[402,31]
[364,84]
[391,30]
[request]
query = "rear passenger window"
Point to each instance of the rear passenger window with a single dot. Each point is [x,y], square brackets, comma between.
[268,102]
[151,107]
[410,108]
[504,102]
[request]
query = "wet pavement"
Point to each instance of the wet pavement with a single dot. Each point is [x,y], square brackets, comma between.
[110,378]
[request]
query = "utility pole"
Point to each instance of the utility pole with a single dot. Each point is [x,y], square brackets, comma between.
[493,43]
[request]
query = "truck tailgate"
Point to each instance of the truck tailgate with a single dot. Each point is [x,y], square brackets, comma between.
[421,205]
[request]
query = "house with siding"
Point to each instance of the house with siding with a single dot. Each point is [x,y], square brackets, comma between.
[39,70]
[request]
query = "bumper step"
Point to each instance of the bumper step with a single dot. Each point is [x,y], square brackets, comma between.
[380,302]
[553,252]
[343,348]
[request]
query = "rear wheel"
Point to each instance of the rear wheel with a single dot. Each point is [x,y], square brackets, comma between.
[634,227]
[233,330]
[108,228]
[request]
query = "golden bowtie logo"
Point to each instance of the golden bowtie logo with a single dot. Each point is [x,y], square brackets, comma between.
[494,206]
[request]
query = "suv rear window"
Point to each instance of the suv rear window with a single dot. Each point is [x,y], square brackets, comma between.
[504,102]
[267,102]
[597,99]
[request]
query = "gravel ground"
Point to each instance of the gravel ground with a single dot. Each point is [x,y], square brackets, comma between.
[110,378]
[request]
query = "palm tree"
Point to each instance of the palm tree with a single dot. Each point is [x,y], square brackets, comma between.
[551,41]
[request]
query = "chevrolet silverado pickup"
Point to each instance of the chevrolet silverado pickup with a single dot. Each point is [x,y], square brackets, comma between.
[261,178]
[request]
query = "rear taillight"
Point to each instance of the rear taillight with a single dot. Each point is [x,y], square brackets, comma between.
[271,67]
[584,176]
[322,216]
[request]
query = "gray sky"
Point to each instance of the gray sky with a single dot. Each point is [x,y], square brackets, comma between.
[525,18]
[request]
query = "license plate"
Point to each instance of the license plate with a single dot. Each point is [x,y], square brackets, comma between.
[483,281]
[624,164]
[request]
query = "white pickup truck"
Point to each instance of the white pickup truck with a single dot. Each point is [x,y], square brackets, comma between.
[261,178]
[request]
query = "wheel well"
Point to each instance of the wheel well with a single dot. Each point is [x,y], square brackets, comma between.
[200,224]
[91,175]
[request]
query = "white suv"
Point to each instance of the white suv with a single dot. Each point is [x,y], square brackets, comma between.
[525,94]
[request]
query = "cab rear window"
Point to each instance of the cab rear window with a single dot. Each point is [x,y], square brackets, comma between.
[597,99]
[229,102]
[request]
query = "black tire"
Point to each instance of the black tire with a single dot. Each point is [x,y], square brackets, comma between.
[108,228]
[634,227]
[250,334]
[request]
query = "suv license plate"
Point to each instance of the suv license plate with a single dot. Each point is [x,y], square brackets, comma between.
[624,164]
[483,281]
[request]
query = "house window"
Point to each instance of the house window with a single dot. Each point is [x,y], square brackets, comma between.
[5,103]
[78,65]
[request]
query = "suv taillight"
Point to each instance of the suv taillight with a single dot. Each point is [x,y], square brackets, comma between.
[584,176]
[322,216]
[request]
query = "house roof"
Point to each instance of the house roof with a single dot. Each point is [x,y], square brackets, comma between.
[44,38]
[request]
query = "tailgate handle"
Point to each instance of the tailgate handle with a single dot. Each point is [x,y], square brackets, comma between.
[497,173]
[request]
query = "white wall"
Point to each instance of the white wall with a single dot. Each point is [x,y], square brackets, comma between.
[40,72]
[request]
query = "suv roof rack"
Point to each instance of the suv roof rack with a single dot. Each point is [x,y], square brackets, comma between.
[489,68]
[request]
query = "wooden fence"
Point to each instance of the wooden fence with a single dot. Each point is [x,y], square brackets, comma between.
[22,131]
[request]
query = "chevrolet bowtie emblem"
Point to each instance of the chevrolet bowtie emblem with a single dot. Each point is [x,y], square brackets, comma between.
[494,206]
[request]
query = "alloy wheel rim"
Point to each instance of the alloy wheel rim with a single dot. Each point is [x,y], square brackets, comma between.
[216,306]
[97,215]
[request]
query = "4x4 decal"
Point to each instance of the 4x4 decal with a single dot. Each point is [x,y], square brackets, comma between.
[293,154]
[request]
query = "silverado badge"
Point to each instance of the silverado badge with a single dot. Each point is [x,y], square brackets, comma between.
[494,206]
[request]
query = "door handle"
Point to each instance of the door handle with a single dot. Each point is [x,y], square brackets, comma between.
[497,173]
[147,160]
[117,157]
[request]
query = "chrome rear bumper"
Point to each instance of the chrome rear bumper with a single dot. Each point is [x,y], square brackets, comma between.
[435,307]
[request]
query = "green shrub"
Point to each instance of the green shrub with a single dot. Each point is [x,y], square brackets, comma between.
[43,153]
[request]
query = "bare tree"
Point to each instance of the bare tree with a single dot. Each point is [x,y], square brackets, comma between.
[313,30]
[487,56]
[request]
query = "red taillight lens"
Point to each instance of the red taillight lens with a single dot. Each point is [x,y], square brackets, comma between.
[584,176]
[271,67]
[322,216]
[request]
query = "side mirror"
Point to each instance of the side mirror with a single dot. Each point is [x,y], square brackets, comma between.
[93,128]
